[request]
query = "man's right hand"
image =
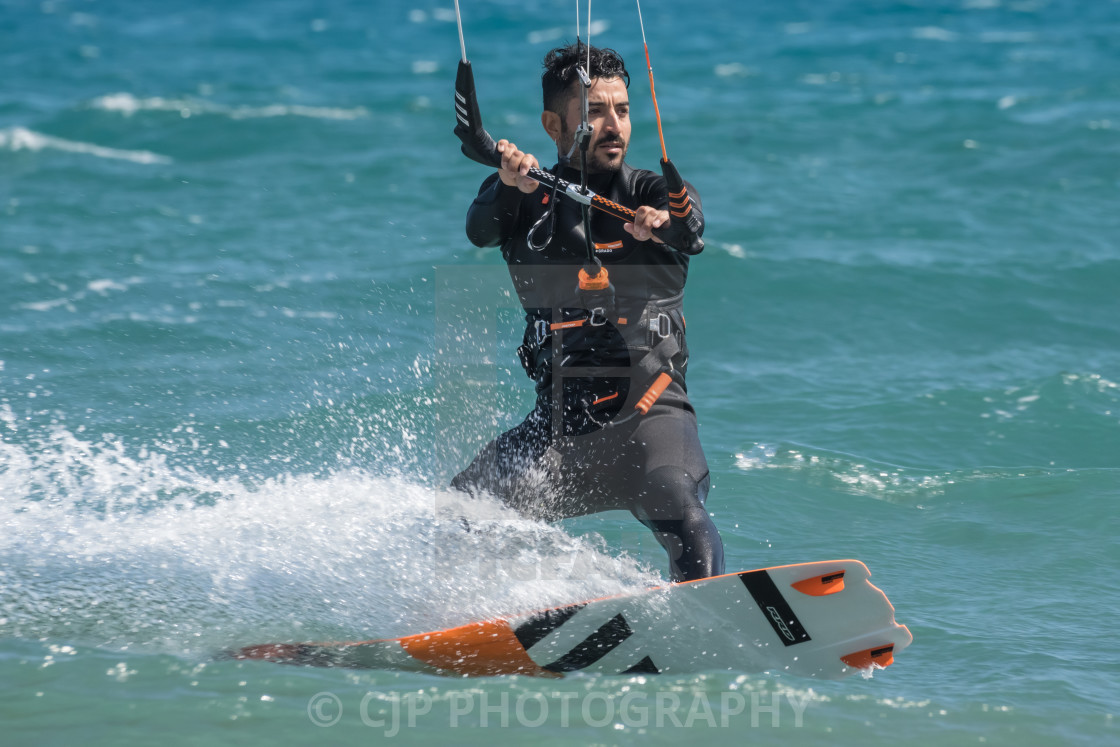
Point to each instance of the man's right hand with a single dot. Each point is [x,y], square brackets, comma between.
[515,166]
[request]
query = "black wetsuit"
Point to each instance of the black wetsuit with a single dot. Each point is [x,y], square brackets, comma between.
[584,448]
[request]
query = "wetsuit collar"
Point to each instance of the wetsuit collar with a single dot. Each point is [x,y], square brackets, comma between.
[597,183]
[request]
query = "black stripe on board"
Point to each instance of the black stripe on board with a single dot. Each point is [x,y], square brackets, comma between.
[774,607]
[594,647]
[645,666]
[536,628]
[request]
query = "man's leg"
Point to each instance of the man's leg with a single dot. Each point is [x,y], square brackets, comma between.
[671,504]
[514,468]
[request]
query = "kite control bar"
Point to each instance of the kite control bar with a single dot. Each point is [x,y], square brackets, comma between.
[478,145]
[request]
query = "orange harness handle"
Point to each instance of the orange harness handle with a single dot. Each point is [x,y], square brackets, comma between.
[659,386]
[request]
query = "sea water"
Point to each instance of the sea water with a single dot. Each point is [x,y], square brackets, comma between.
[244,345]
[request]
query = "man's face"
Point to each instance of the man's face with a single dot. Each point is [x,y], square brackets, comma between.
[609,115]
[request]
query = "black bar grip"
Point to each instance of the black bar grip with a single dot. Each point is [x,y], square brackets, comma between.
[477,143]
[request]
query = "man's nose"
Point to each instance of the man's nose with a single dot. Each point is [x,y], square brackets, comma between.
[612,122]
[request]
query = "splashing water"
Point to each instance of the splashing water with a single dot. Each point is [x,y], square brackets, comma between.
[131,553]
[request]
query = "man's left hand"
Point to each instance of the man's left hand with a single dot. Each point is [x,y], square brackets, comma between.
[646,219]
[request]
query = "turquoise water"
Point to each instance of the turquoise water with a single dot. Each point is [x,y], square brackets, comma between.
[244,344]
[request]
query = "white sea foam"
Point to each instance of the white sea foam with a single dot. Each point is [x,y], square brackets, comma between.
[733,70]
[20,138]
[48,304]
[935,33]
[129,105]
[104,286]
[887,482]
[547,35]
[555,33]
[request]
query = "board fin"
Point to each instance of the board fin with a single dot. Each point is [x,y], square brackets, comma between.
[645,666]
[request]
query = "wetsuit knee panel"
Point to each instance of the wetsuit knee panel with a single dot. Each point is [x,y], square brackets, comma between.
[667,493]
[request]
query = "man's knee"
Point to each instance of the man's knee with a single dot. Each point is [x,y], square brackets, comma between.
[672,506]
[668,493]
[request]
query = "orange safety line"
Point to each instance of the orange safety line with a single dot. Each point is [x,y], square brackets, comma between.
[656,109]
[608,398]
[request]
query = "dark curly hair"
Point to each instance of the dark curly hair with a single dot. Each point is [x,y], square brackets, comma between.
[560,70]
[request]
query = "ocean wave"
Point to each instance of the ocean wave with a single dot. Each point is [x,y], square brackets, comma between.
[100,286]
[20,138]
[912,485]
[847,472]
[129,105]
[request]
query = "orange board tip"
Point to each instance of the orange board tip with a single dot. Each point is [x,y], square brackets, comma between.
[476,650]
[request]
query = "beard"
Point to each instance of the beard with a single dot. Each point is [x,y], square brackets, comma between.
[598,162]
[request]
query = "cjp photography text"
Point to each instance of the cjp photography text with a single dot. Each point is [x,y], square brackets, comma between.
[395,713]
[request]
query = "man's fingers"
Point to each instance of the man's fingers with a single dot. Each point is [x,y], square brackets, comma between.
[646,220]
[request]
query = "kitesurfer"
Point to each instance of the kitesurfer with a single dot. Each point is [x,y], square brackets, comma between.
[595,350]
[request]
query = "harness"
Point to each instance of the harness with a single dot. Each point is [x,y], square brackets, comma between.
[623,362]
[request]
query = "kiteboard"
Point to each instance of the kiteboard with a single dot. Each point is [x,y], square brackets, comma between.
[823,620]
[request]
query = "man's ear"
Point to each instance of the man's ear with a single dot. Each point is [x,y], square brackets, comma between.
[551,123]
